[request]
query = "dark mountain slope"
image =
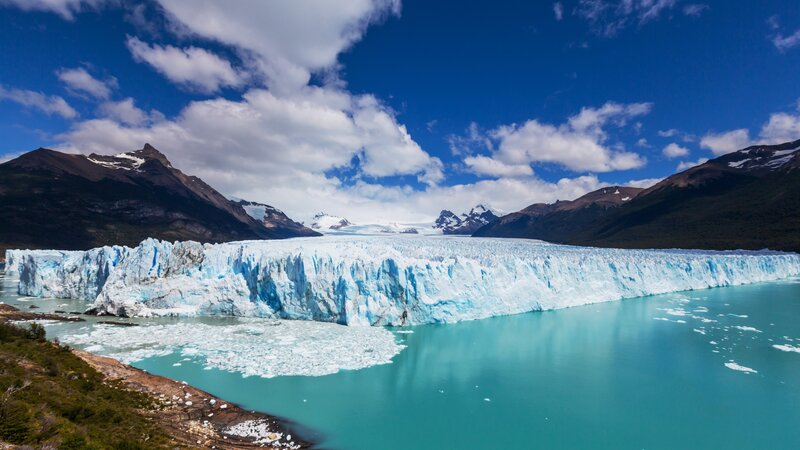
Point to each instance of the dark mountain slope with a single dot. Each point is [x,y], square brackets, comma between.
[748,199]
[50,199]
[560,221]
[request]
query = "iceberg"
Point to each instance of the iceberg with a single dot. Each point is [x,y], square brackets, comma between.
[377,280]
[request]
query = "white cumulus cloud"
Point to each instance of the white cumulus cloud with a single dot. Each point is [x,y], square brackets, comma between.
[726,142]
[483,165]
[289,40]
[192,67]
[674,150]
[578,145]
[781,127]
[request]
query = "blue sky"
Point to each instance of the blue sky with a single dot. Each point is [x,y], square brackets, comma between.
[380,110]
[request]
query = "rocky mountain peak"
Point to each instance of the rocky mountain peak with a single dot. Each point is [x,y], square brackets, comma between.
[466,223]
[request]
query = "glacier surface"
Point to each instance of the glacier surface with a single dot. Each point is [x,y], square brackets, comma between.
[391,280]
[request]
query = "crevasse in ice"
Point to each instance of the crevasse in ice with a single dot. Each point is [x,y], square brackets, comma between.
[393,280]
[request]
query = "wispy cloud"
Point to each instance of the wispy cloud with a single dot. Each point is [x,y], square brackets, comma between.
[683,165]
[784,43]
[607,18]
[694,9]
[48,104]
[64,8]
[558,10]
[80,82]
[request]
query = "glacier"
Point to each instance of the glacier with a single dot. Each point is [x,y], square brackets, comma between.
[376,280]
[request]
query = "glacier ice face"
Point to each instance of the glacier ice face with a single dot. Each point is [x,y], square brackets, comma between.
[392,280]
[63,274]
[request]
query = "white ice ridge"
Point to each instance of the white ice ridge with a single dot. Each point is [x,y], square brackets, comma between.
[392,280]
[250,346]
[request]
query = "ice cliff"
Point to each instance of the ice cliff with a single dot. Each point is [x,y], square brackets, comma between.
[393,280]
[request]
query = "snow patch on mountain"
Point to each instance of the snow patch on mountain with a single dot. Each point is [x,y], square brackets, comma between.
[761,157]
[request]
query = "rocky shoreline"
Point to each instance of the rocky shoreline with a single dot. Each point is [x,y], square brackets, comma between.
[197,418]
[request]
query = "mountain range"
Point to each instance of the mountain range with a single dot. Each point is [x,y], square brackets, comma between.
[748,199]
[466,223]
[50,199]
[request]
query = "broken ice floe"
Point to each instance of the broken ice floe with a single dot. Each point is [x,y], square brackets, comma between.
[252,347]
[738,367]
[787,348]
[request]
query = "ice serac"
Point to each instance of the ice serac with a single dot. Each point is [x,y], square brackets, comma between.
[392,280]
[63,274]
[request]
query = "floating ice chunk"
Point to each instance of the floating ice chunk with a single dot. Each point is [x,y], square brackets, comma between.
[257,347]
[787,348]
[674,311]
[746,328]
[697,330]
[734,366]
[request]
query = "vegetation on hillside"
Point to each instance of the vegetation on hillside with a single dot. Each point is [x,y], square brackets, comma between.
[50,398]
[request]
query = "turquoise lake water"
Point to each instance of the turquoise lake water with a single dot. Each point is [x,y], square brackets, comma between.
[644,373]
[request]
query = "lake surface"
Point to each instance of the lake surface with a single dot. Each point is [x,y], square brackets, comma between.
[647,373]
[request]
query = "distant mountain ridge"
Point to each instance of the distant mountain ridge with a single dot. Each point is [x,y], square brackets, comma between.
[466,223]
[557,222]
[748,199]
[273,218]
[50,199]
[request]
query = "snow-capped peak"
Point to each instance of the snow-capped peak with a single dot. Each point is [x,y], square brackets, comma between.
[322,221]
[466,223]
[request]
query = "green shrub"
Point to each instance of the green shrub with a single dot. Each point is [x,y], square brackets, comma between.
[15,421]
